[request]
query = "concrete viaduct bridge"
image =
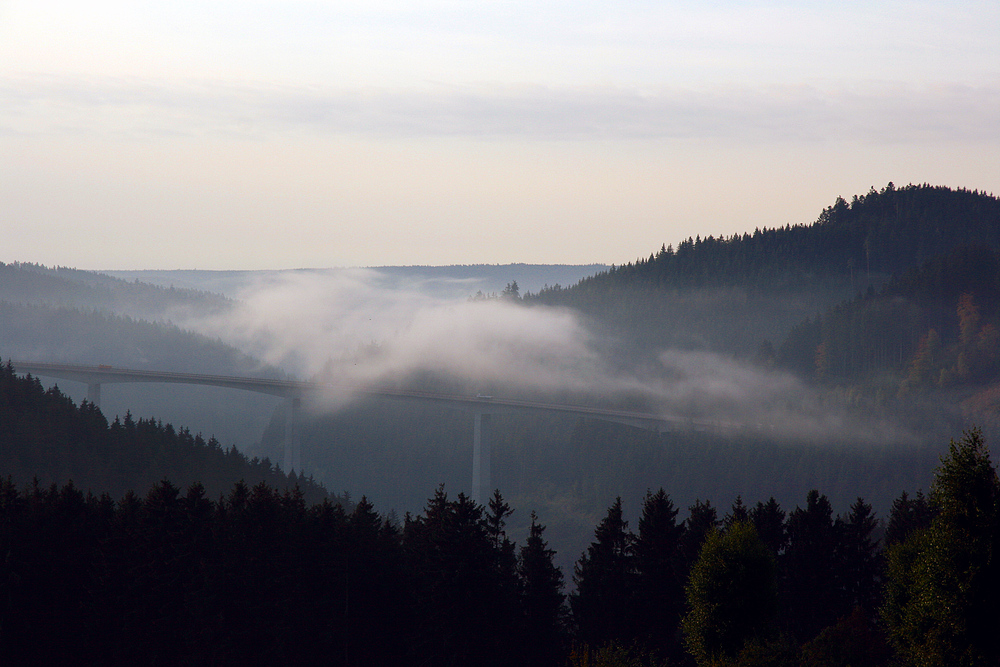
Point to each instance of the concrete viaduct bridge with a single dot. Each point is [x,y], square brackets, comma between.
[293,392]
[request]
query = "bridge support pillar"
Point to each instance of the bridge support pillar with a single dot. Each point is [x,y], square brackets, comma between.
[94,393]
[293,454]
[481,456]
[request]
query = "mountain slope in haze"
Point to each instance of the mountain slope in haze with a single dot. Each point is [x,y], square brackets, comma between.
[26,283]
[956,296]
[66,315]
[59,334]
[768,281]
[926,345]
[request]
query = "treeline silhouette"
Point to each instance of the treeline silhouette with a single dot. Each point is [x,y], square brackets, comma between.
[45,436]
[567,469]
[260,577]
[634,590]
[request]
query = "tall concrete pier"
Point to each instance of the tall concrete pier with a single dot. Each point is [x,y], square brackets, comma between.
[94,393]
[481,456]
[293,441]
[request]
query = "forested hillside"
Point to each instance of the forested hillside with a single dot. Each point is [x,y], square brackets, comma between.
[46,437]
[758,296]
[66,315]
[882,233]
[935,325]
[25,283]
[773,278]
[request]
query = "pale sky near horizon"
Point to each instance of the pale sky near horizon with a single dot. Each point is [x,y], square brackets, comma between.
[284,134]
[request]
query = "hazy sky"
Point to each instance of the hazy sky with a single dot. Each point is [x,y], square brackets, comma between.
[280,134]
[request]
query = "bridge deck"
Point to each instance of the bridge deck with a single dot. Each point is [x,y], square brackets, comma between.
[299,389]
[293,391]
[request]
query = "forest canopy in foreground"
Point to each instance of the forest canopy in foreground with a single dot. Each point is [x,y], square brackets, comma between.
[258,575]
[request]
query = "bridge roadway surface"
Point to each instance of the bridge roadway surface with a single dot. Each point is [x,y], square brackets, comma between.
[293,391]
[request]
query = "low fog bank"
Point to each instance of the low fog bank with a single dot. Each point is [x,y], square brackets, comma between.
[367,328]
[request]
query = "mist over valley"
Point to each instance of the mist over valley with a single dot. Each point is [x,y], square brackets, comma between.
[725,354]
[500,334]
[822,364]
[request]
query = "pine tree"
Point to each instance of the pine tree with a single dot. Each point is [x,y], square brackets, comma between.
[769,519]
[702,519]
[466,609]
[811,588]
[604,577]
[541,600]
[659,575]
[908,516]
[859,557]
[737,514]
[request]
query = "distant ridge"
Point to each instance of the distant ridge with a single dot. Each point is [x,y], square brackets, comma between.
[28,283]
[453,281]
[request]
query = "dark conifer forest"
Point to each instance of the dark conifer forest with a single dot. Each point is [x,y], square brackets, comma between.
[173,575]
[45,438]
[851,518]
